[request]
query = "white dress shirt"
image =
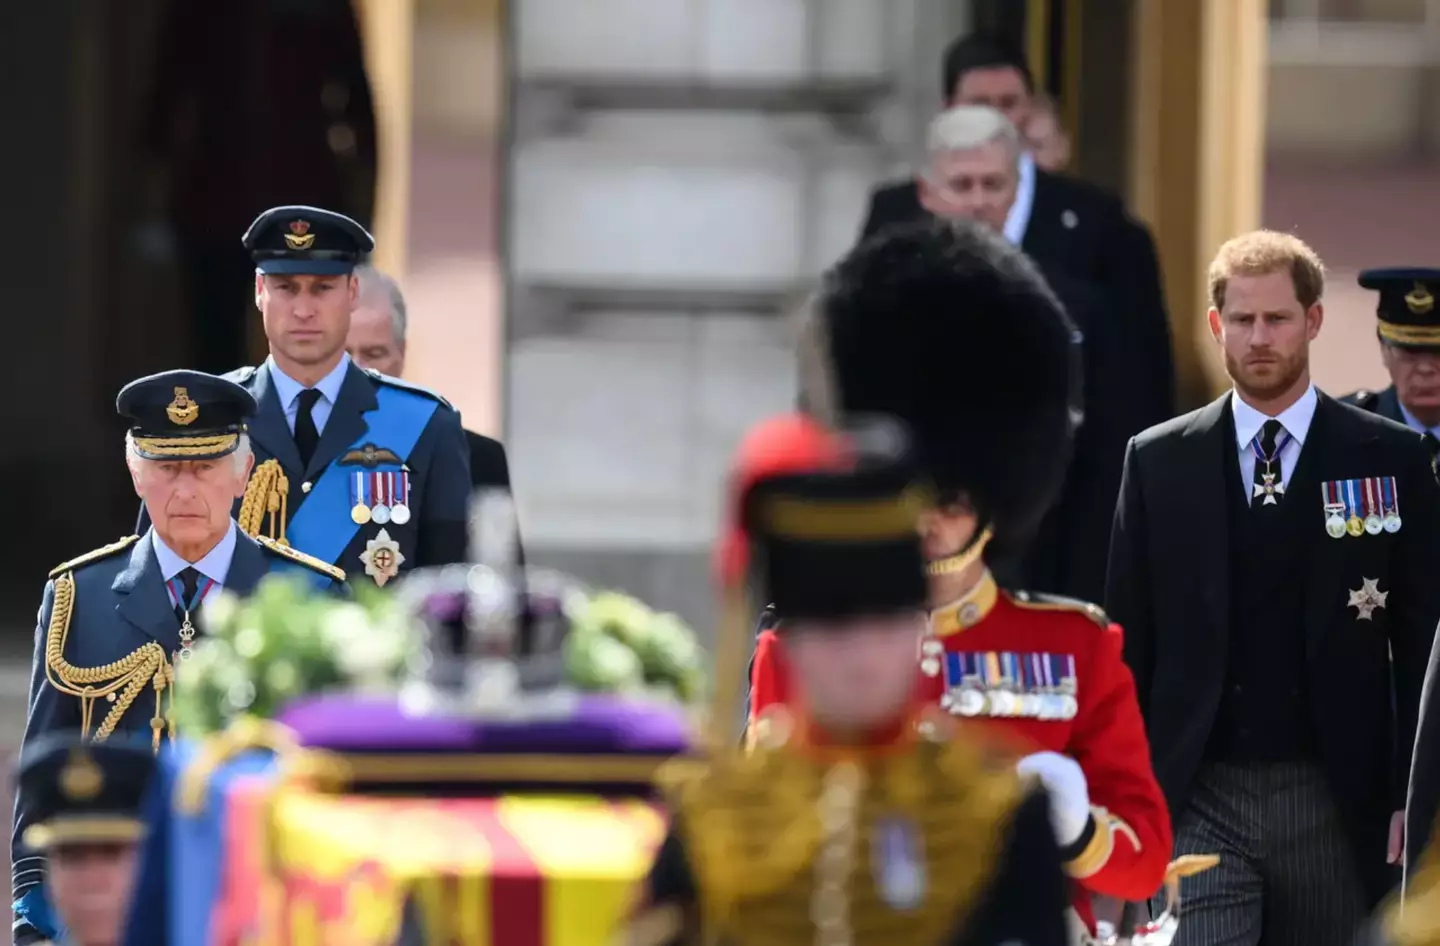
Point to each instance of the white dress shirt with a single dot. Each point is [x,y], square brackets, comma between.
[1295,419]
[214,566]
[288,390]
[1018,220]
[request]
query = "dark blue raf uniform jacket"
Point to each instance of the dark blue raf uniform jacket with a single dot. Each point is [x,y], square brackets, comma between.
[106,618]
[417,447]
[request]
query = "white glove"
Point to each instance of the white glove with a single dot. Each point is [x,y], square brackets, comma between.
[1069,792]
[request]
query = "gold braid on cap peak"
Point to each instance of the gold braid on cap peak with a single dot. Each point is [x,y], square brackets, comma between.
[128,676]
[267,493]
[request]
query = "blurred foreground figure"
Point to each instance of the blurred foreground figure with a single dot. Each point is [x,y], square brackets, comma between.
[86,800]
[860,816]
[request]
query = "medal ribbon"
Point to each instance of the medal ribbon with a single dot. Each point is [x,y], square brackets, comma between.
[1280,443]
[402,497]
[202,588]
[1387,486]
[359,491]
[1352,500]
[1371,507]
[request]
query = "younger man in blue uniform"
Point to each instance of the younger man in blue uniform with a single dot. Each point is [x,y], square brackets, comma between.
[358,469]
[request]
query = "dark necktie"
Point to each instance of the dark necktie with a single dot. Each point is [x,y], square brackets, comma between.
[1268,488]
[189,585]
[306,434]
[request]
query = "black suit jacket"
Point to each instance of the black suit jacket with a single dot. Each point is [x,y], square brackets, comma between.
[1083,231]
[1386,403]
[1067,555]
[1168,586]
[490,468]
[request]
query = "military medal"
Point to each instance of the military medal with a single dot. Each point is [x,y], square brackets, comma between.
[1373,523]
[1367,598]
[400,511]
[1334,509]
[1354,525]
[359,506]
[187,626]
[380,512]
[382,558]
[1390,494]
[1269,489]
[898,863]
[1068,705]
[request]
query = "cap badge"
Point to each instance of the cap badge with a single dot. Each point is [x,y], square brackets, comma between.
[81,779]
[1419,300]
[182,411]
[299,237]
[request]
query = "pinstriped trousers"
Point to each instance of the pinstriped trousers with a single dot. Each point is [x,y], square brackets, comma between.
[1286,875]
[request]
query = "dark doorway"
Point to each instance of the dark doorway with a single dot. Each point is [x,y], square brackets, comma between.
[100,218]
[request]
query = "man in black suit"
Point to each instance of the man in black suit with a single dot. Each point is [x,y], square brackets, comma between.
[1260,569]
[1065,225]
[1408,325]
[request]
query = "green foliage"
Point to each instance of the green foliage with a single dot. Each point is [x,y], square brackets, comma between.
[288,640]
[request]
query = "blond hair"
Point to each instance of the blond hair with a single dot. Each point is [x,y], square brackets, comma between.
[1261,252]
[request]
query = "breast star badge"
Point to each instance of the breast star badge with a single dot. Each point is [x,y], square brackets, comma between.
[382,558]
[1367,598]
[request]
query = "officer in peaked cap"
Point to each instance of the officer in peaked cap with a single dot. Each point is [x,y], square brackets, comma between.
[86,801]
[1408,326]
[115,623]
[361,470]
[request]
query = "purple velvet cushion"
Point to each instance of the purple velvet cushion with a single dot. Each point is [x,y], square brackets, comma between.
[593,725]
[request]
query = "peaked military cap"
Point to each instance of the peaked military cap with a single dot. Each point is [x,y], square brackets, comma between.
[1408,314]
[306,240]
[185,415]
[84,792]
[841,541]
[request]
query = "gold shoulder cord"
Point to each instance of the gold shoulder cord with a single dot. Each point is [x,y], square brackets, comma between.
[127,676]
[267,494]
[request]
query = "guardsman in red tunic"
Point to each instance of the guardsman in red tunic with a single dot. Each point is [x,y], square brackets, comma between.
[981,371]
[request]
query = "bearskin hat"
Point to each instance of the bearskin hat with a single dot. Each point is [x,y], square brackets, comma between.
[953,331]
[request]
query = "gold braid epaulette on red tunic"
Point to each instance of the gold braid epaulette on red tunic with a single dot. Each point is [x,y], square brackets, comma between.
[754,825]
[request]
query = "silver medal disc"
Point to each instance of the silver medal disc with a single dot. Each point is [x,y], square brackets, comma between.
[379,514]
[1068,707]
[400,514]
[1392,522]
[972,703]
[1335,525]
[1373,525]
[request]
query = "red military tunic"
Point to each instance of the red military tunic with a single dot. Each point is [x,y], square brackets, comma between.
[1047,672]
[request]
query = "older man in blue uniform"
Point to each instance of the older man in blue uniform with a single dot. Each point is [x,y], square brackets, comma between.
[1408,325]
[116,623]
[356,468]
[87,799]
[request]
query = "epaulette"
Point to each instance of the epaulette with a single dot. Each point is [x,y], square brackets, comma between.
[240,375]
[407,386]
[104,551]
[1045,602]
[295,555]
